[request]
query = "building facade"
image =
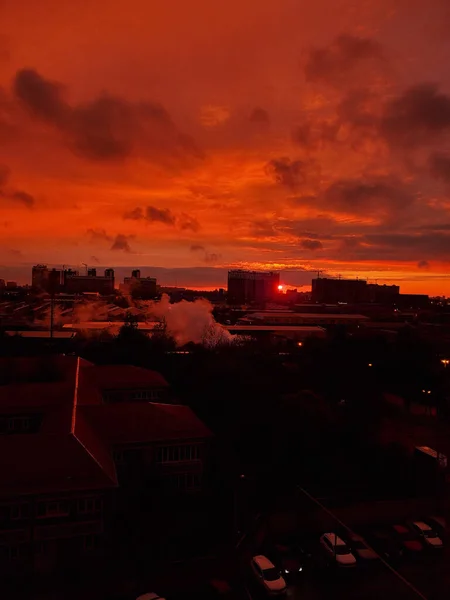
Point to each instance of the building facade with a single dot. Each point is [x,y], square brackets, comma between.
[138,287]
[74,283]
[78,441]
[245,287]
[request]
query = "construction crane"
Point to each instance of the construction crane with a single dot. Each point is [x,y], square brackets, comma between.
[85,265]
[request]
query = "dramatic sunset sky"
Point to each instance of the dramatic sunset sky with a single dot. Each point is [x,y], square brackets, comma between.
[202,134]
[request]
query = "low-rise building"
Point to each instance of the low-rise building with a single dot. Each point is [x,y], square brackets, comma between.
[75,440]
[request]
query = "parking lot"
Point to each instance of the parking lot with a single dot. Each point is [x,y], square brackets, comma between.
[424,574]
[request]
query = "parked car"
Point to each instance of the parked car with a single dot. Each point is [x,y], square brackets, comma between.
[383,542]
[428,536]
[438,525]
[292,557]
[150,596]
[337,550]
[268,575]
[407,538]
[360,548]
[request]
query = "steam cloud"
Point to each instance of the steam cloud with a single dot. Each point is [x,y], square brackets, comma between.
[189,322]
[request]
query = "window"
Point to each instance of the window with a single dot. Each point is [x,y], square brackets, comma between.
[19,511]
[89,506]
[15,424]
[90,542]
[187,481]
[119,457]
[53,508]
[41,548]
[13,552]
[178,453]
[144,395]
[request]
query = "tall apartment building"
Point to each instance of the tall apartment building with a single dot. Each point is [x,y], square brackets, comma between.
[245,287]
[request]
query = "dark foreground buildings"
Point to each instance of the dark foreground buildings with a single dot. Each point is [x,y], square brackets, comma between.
[54,281]
[84,451]
[245,287]
[358,291]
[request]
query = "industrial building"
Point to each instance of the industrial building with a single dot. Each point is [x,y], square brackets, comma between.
[246,287]
[138,287]
[54,281]
[294,318]
[358,291]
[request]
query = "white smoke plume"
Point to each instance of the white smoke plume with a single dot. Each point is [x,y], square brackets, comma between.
[189,322]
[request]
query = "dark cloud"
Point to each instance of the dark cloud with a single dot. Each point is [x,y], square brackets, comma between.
[418,116]
[339,61]
[264,228]
[440,166]
[370,195]
[94,259]
[208,257]
[23,197]
[98,234]
[151,214]
[136,214]
[107,128]
[259,116]
[163,215]
[404,246]
[42,97]
[186,222]
[121,242]
[311,244]
[292,174]
[212,257]
[423,264]
[4,175]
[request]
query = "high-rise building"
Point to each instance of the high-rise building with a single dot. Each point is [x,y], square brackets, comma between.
[45,279]
[331,291]
[139,287]
[74,283]
[39,277]
[252,286]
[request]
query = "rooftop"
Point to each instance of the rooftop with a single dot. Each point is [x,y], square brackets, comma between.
[72,445]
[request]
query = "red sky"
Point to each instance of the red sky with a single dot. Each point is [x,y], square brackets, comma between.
[258,133]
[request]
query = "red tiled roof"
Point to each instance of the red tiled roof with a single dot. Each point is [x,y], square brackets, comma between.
[109,377]
[34,462]
[65,453]
[139,422]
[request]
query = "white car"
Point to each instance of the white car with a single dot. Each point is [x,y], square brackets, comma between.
[427,535]
[337,550]
[150,596]
[268,575]
[360,548]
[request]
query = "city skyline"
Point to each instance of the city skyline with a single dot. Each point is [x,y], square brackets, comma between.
[199,138]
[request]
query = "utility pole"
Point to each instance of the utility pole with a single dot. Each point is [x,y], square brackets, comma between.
[52,313]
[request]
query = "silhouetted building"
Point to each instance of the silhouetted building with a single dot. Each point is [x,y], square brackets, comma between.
[139,287]
[382,294]
[246,287]
[74,283]
[2,284]
[39,277]
[329,291]
[412,301]
[76,441]
[353,291]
